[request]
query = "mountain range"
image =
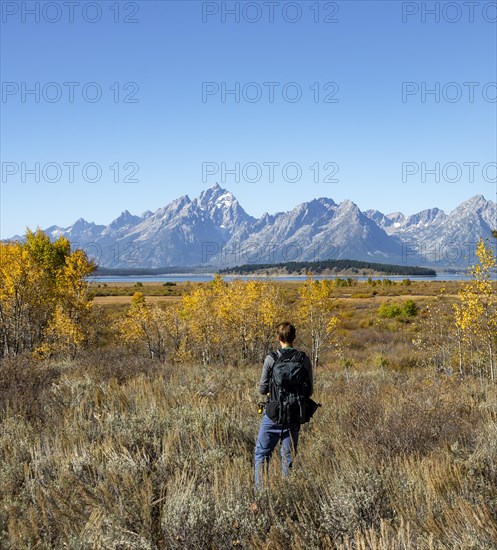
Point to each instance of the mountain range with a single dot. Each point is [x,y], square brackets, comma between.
[214,230]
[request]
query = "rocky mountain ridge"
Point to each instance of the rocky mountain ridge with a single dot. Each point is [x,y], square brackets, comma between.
[214,230]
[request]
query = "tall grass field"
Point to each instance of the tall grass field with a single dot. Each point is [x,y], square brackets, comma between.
[114,449]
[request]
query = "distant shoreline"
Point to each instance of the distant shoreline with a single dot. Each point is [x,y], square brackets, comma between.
[280,275]
[348,273]
[207,277]
[351,268]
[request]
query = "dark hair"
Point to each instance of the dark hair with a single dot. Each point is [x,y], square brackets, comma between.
[286,332]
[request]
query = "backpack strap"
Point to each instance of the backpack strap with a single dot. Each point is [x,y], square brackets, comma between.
[275,355]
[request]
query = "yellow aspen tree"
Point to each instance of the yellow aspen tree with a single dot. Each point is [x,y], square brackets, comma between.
[201,312]
[174,318]
[62,336]
[228,306]
[70,324]
[476,315]
[21,296]
[232,322]
[145,325]
[42,285]
[241,311]
[270,308]
[249,312]
[315,311]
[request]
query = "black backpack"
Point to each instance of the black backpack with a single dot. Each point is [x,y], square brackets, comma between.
[289,386]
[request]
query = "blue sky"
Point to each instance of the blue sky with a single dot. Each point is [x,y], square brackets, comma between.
[168,139]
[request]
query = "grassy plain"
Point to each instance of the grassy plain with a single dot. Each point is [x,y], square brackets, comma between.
[105,292]
[114,450]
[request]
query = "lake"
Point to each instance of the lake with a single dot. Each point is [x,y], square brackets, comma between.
[205,277]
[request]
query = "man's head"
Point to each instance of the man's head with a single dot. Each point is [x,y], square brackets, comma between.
[286,333]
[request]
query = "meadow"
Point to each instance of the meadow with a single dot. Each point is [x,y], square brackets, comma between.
[112,448]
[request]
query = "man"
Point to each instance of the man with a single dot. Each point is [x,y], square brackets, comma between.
[272,429]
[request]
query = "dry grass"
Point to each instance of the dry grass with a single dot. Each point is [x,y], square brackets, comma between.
[126,300]
[116,451]
[116,296]
[121,452]
[128,288]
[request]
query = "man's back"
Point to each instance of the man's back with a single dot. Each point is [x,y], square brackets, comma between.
[290,383]
[267,370]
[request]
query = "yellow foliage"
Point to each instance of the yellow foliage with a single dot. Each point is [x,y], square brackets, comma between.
[137,300]
[476,315]
[43,293]
[315,312]
[229,323]
[62,335]
[157,329]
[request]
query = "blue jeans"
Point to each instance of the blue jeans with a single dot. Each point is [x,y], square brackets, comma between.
[269,435]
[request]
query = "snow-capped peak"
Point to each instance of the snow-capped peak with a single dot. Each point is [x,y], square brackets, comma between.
[225,200]
[215,197]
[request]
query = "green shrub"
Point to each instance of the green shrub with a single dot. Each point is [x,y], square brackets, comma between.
[410,309]
[389,310]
